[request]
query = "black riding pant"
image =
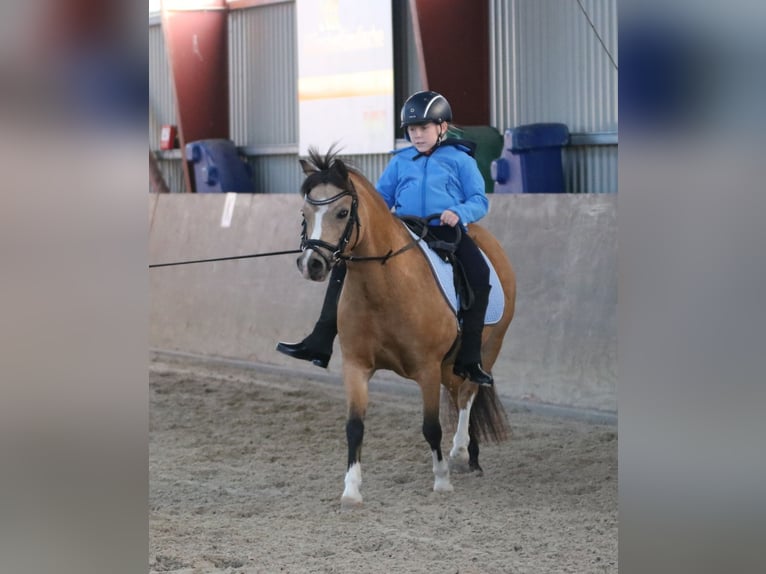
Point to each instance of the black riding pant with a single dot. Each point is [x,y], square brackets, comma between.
[322,337]
[477,275]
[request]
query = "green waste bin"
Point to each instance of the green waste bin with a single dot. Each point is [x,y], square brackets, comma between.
[489,146]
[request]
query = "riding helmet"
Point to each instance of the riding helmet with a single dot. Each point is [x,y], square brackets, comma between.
[425,107]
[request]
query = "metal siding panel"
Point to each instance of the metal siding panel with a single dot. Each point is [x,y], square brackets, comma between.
[407,67]
[590,169]
[502,64]
[282,173]
[162,105]
[172,172]
[263,83]
[264,92]
[236,62]
[371,166]
[276,173]
[549,66]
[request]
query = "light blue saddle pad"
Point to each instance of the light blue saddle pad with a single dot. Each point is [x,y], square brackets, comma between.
[443,273]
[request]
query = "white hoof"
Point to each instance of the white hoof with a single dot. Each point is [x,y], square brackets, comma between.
[458,460]
[350,502]
[441,475]
[352,497]
[459,466]
[459,452]
[443,486]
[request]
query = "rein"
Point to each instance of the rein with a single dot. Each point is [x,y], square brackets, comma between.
[225,258]
[381,258]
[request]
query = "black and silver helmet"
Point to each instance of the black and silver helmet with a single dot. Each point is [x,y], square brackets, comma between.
[425,107]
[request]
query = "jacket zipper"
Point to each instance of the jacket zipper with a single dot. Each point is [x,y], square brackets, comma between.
[423,188]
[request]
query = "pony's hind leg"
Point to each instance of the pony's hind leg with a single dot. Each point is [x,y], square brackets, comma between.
[473,457]
[432,431]
[459,456]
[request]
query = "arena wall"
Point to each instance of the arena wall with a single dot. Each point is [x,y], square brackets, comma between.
[561,348]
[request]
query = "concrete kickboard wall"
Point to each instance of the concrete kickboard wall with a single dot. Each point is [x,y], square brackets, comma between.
[561,347]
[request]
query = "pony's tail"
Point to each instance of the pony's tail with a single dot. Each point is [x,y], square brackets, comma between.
[489,421]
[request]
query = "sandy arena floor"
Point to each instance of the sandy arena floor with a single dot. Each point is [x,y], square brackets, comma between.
[246,472]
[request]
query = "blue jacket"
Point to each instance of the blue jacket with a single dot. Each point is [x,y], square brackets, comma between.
[424,185]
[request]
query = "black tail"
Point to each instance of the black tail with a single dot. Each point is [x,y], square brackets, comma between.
[489,421]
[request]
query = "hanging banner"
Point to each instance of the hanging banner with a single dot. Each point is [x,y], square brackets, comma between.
[345,75]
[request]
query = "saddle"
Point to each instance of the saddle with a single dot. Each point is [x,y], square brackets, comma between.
[446,251]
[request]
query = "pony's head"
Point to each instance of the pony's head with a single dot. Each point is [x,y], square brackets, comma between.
[329,213]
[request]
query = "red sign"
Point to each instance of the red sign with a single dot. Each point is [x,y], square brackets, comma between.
[168,137]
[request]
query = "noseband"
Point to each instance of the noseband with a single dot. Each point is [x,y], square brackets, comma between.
[353,220]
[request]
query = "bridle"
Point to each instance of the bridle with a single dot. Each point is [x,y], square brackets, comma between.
[353,221]
[338,249]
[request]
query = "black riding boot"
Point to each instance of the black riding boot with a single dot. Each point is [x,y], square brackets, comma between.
[317,346]
[468,361]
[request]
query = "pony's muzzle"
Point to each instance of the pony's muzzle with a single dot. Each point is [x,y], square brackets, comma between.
[312,266]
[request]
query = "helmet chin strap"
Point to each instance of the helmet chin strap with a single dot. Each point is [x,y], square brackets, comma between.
[438,141]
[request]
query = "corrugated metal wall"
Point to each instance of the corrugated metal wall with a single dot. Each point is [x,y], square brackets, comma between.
[162,104]
[406,66]
[263,76]
[549,65]
[162,107]
[283,174]
[173,172]
[276,173]
[590,169]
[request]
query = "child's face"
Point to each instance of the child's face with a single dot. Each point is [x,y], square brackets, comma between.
[424,136]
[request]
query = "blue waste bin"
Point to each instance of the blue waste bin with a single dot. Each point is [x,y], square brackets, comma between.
[531,159]
[218,167]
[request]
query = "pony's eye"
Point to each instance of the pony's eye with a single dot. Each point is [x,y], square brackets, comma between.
[343,213]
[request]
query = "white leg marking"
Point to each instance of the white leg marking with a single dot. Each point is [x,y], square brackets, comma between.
[459,451]
[441,475]
[351,495]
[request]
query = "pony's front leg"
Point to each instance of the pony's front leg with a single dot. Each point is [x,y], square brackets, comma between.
[352,497]
[355,381]
[432,431]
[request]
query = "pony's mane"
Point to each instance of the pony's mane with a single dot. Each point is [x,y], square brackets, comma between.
[330,169]
[323,162]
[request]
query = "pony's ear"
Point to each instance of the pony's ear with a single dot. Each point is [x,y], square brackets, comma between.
[341,169]
[308,167]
